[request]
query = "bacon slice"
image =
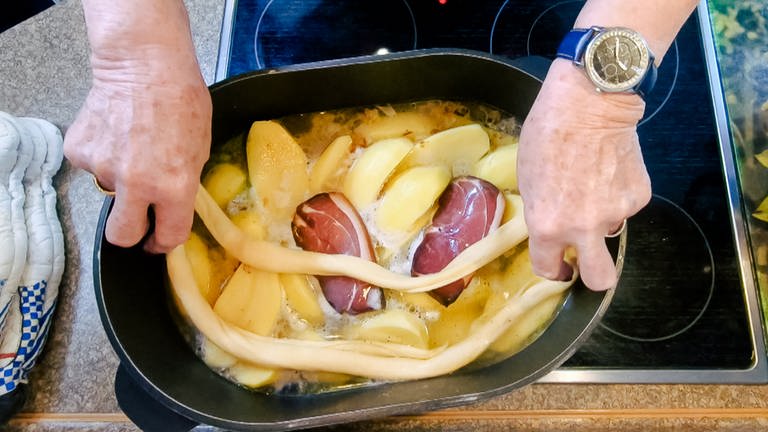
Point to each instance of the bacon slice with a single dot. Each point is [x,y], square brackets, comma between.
[329,223]
[468,210]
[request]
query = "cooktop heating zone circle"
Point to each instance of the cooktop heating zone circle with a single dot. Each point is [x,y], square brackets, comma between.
[301,31]
[657,304]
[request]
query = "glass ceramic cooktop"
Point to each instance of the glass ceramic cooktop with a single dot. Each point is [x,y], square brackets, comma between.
[684,310]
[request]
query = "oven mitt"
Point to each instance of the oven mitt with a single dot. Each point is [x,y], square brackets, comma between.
[9,340]
[30,293]
[9,149]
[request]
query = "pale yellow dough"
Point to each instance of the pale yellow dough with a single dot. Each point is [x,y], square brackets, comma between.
[373,360]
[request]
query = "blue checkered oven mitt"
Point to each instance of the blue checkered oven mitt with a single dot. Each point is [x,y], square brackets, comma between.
[32,255]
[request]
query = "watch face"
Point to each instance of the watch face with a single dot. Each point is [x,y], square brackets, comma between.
[616,59]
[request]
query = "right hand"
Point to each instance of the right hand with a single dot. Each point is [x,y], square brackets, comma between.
[580,173]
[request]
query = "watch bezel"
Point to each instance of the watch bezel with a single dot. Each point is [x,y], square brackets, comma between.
[589,59]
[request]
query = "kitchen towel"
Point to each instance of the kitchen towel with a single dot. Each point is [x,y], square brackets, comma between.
[31,269]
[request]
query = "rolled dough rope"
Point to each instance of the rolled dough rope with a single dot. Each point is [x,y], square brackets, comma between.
[272,257]
[300,355]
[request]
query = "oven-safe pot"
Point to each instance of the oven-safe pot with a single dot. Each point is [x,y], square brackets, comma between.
[162,385]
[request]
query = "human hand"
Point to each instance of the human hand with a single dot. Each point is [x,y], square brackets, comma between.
[144,130]
[580,173]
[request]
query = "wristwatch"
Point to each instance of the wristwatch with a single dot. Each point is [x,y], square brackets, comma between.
[615,59]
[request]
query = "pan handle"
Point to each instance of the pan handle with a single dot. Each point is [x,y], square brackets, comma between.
[144,410]
[536,66]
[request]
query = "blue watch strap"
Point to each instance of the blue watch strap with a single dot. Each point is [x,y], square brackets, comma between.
[574,43]
[649,80]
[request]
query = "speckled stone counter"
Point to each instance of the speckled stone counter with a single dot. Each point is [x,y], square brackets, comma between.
[44,73]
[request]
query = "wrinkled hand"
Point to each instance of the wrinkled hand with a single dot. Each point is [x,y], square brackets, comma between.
[581,173]
[144,132]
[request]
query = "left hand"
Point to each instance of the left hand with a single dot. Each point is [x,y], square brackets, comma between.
[145,128]
[580,173]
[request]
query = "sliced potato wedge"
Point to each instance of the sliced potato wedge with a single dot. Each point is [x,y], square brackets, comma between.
[216,357]
[397,243]
[513,206]
[499,167]
[412,125]
[457,148]
[197,254]
[277,167]
[329,165]
[251,375]
[223,266]
[224,181]
[251,222]
[410,195]
[302,298]
[251,300]
[392,326]
[371,170]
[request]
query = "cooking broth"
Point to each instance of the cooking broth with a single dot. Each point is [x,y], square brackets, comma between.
[298,309]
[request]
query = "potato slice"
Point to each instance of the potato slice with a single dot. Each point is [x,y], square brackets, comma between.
[457,148]
[391,245]
[251,222]
[277,167]
[223,266]
[216,357]
[251,300]
[365,179]
[410,195]
[499,167]
[329,165]
[513,207]
[224,181]
[412,125]
[251,375]
[302,298]
[392,326]
[197,254]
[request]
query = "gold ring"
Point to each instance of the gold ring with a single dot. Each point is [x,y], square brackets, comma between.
[101,188]
[617,232]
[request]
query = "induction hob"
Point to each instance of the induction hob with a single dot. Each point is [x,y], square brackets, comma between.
[685,309]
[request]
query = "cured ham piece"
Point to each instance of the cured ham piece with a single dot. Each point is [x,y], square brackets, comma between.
[468,210]
[329,223]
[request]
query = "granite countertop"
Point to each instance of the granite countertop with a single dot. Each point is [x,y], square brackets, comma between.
[44,73]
